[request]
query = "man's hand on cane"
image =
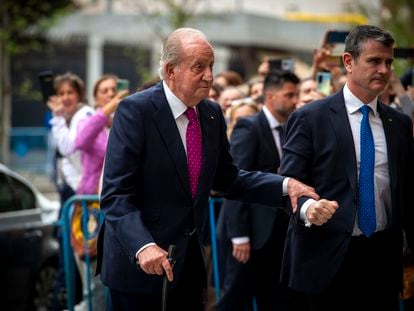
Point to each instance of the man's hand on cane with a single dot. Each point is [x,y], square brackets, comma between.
[153,260]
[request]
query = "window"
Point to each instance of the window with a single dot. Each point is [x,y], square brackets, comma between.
[14,195]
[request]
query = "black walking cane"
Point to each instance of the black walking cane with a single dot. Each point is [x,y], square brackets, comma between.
[171,259]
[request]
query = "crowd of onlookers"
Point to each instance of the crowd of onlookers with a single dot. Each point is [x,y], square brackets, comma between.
[80,134]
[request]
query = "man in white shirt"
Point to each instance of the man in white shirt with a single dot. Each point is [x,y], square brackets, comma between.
[357,151]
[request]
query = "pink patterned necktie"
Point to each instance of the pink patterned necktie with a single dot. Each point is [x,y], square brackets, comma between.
[194,149]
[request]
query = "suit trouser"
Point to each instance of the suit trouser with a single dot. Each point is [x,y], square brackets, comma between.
[259,278]
[367,280]
[189,294]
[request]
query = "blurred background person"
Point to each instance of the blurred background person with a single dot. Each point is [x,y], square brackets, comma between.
[263,68]
[228,78]
[68,108]
[395,95]
[91,140]
[308,92]
[239,109]
[251,236]
[255,89]
[228,95]
[215,92]
[94,131]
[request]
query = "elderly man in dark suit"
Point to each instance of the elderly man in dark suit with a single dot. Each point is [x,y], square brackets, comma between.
[357,151]
[167,149]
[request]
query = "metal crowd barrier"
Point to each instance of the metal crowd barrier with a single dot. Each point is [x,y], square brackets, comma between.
[69,264]
[214,250]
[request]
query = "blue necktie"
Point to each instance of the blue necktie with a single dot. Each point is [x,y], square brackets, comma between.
[366,209]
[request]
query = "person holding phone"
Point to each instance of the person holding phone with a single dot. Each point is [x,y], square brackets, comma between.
[358,151]
[68,109]
[95,131]
[308,92]
[327,58]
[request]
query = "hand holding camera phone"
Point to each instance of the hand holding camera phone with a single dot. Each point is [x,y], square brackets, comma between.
[336,38]
[323,83]
[46,80]
[122,84]
[285,64]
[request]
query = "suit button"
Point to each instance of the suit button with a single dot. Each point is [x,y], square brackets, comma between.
[190,233]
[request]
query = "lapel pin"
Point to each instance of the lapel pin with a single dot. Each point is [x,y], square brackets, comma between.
[390,120]
[211,117]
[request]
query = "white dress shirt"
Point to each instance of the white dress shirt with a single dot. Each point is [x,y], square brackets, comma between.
[381,173]
[274,124]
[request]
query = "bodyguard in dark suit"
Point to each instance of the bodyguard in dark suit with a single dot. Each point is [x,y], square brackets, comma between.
[167,149]
[252,236]
[357,151]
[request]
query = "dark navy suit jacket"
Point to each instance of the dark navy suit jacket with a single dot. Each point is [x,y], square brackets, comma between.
[253,148]
[320,151]
[146,194]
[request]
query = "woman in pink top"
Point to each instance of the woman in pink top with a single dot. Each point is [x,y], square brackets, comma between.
[93,133]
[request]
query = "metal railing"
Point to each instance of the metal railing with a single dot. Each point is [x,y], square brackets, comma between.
[69,265]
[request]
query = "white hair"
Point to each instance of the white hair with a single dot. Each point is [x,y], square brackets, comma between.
[173,47]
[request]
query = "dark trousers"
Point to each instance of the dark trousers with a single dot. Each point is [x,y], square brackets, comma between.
[259,278]
[188,295]
[368,278]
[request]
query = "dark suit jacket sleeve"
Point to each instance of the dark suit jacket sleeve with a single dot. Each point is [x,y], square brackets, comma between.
[121,173]
[408,209]
[297,151]
[249,187]
[243,150]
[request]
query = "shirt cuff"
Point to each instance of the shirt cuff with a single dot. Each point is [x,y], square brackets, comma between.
[144,247]
[303,211]
[240,240]
[285,186]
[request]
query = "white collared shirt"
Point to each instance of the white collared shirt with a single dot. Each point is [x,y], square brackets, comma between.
[274,123]
[178,108]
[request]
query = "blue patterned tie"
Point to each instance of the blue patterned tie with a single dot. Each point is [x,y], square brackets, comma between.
[366,209]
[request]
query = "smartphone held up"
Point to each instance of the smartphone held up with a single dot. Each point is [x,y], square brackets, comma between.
[323,83]
[122,84]
[46,80]
[284,64]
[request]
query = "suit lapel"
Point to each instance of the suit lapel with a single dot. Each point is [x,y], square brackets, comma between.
[340,122]
[167,127]
[392,144]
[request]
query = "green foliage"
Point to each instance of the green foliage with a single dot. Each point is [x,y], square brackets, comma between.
[23,21]
[142,60]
